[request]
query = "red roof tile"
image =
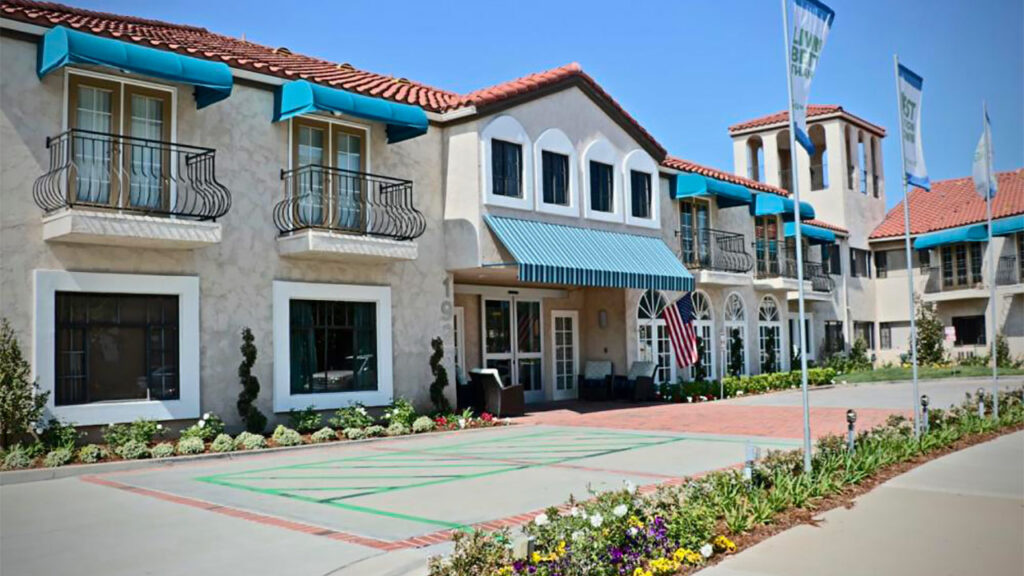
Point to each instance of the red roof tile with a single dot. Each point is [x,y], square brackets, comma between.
[813,110]
[677,163]
[953,203]
[827,226]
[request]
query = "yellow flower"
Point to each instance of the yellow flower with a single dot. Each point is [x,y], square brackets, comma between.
[536,557]
[560,551]
[504,571]
[635,522]
[664,566]
[723,544]
[641,572]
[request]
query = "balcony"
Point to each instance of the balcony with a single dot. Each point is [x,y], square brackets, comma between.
[716,256]
[1007,273]
[329,213]
[123,191]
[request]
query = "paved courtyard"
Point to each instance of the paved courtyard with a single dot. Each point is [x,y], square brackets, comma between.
[382,507]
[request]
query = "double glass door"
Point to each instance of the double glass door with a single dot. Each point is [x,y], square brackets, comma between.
[512,343]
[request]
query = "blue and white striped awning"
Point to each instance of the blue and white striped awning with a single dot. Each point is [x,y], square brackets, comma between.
[558,254]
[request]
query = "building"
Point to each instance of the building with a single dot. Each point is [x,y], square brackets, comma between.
[165,186]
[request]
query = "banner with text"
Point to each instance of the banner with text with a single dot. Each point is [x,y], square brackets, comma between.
[910,85]
[811,23]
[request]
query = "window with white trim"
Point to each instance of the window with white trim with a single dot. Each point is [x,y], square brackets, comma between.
[640,194]
[736,335]
[770,335]
[602,182]
[506,169]
[507,164]
[555,178]
[602,187]
[557,174]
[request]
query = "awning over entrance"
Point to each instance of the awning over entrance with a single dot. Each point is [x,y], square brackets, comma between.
[728,195]
[301,97]
[558,254]
[62,46]
[814,234]
[771,204]
[973,233]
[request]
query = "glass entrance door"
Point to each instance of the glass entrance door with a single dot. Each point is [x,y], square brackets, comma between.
[512,343]
[566,342]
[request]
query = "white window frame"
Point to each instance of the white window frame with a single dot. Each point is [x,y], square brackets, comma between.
[283,293]
[639,161]
[186,288]
[728,325]
[554,140]
[508,129]
[600,150]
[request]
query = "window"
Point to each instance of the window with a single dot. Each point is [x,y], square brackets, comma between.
[116,347]
[327,159]
[506,169]
[694,238]
[834,340]
[333,346]
[961,265]
[794,340]
[975,263]
[640,186]
[885,335]
[865,331]
[882,264]
[924,259]
[833,263]
[860,263]
[970,330]
[602,182]
[766,245]
[770,335]
[555,178]
[736,336]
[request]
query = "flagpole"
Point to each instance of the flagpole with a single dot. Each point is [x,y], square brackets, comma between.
[991,257]
[909,253]
[795,179]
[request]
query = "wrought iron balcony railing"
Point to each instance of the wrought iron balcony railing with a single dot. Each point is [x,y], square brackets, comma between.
[103,171]
[336,200]
[771,263]
[820,280]
[708,249]
[1007,272]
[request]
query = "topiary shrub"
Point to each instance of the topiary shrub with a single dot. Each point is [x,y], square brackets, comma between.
[397,429]
[354,433]
[324,434]
[440,377]
[17,457]
[250,441]
[375,431]
[133,450]
[58,457]
[222,443]
[285,436]
[191,445]
[21,401]
[423,424]
[91,453]
[255,421]
[162,450]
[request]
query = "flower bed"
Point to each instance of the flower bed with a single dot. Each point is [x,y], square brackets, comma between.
[56,444]
[704,391]
[677,529]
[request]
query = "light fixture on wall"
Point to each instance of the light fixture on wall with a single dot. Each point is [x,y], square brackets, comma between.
[602,318]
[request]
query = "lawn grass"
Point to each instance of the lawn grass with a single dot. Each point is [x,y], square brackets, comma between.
[924,373]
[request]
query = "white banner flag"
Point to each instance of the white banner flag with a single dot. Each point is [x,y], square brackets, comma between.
[984,179]
[811,22]
[910,85]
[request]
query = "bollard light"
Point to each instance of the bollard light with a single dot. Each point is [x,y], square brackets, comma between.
[981,402]
[924,408]
[851,419]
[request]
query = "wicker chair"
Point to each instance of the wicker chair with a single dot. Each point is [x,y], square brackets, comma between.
[500,399]
[596,381]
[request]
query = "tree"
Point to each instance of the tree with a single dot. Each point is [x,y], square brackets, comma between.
[255,421]
[21,402]
[770,363]
[930,335]
[735,352]
[1003,352]
[440,377]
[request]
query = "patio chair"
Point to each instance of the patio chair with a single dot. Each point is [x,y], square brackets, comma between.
[470,394]
[640,381]
[499,398]
[596,381]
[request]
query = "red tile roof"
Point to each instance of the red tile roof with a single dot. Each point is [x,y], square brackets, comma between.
[827,226]
[953,203]
[677,163]
[813,110]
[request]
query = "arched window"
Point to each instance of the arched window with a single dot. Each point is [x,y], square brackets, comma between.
[769,327]
[819,161]
[703,324]
[755,158]
[736,335]
[652,336]
[785,166]
[507,167]
[862,154]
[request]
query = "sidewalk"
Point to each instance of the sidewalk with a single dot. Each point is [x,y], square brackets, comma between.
[958,515]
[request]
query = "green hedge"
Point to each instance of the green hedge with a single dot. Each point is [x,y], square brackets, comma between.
[732,385]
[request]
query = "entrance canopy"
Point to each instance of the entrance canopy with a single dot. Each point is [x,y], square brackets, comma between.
[771,204]
[558,254]
[727,194]
[973,233]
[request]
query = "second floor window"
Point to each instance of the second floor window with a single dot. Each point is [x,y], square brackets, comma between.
[961,265]
[860,263]
[882,264]
[640,185]
[555,176]
[328,162]
[506,169]
[694,221]
[766,244]
[602,187]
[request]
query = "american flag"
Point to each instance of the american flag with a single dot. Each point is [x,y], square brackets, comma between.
[679,319]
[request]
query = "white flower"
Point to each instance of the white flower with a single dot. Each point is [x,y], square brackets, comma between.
[596,520]
[706,550]
[620,510]
[541,520]
[201,423]
[577,536]
[689,399]
[574,512]
[630,487]
[739,392]
[206,415]
[361,410]
[159,426]
[633,531]
[462,422]
[39,430]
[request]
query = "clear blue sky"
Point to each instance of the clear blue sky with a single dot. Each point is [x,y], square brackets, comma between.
[685,69]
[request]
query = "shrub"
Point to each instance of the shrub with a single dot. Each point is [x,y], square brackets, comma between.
[374,431]
[423,424]
[397,429]
[858,358]
[60,435]
[354,416]
[133,450]
[931,333]
[91,453]
[1003,352]
[401,412]
[354,433]
[17,457]
[437,387]
[58,457]
[476,553]
[324,434]
[116,435]
[162,450]
[222,443]
[141,431]
[191,445]
[305,421]
[207,428]
[21,401]
[250,441]
[284,436]
[255,421]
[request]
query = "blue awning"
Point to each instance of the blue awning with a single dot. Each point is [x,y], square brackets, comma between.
[301,97]
[62,46]
[558,254]
[972,233]
[770,204]
[814,234]
[728,194]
